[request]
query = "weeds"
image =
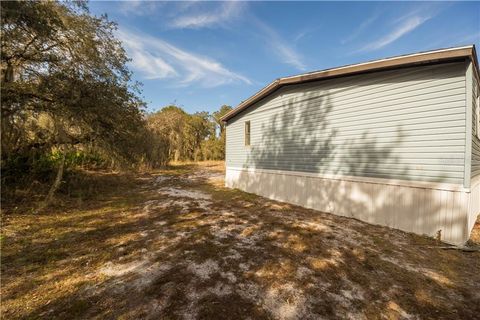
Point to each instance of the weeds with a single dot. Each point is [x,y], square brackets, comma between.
[132,251]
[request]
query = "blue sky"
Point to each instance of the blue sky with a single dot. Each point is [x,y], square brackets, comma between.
[201,55]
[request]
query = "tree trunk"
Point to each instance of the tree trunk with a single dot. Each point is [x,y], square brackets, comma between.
[55,185]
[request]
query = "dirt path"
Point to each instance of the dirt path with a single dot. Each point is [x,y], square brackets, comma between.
[180,245]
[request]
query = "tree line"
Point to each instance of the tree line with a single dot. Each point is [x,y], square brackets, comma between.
[181,136]
[68,99]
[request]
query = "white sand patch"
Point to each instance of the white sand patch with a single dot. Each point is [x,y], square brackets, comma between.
[163,204]
[183,204]
[353,292]
[183,234]
[348,294]
[248,291]
[340,300]
[248,242]
[191,310]
[147,206]
[233,254]
[155,307]
[117,270]
[206,175]
[201,200]
[303,272]
[347,298]
[182,193]
[216,177]
[429,273]
[285,302]
[151,203]
[224,232]
[166,240]
[144,272]
[149,274]
[401,264]
[244,266]
[203,270]
[229,276]
[350,315]
[220,233]
[221,289]
[249,238]
[203,204]
[349,236]
[160,179]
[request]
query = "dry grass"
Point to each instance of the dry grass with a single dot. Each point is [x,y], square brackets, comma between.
[177,244]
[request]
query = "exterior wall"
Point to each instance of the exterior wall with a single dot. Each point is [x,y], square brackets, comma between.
[423,210]
[406,124]
[387,148]
[474,203]
[475,141]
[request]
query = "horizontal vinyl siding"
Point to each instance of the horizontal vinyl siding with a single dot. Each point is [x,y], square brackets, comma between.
[475,140]
[403,124]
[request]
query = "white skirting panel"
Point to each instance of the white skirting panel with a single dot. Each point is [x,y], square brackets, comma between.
[474,205]
[423,209]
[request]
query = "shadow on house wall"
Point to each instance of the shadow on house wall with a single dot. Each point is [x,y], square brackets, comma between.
[303,140]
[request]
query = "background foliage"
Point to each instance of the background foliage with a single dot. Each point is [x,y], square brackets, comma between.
[68,100]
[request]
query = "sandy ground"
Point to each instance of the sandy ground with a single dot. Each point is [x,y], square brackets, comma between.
[181,246]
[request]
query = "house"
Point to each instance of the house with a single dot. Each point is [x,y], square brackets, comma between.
[394,142]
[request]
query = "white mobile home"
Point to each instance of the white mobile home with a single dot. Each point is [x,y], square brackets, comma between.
[394,142]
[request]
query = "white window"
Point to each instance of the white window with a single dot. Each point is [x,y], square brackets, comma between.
[247,133]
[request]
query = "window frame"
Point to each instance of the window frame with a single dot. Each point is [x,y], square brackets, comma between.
[247,133]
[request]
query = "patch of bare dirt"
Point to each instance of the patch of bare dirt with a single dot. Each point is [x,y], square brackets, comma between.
[182,246]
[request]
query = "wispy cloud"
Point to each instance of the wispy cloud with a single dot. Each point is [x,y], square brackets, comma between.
[155,58]
[404,27]
[278,46]
[139,7]
[227,11]
[360,29]
[404,24]
[201,16]
[305,33]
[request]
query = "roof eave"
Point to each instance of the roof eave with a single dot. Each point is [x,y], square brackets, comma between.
[382,64]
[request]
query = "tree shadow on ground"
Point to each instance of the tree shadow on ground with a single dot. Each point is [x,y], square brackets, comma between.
[232,256]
